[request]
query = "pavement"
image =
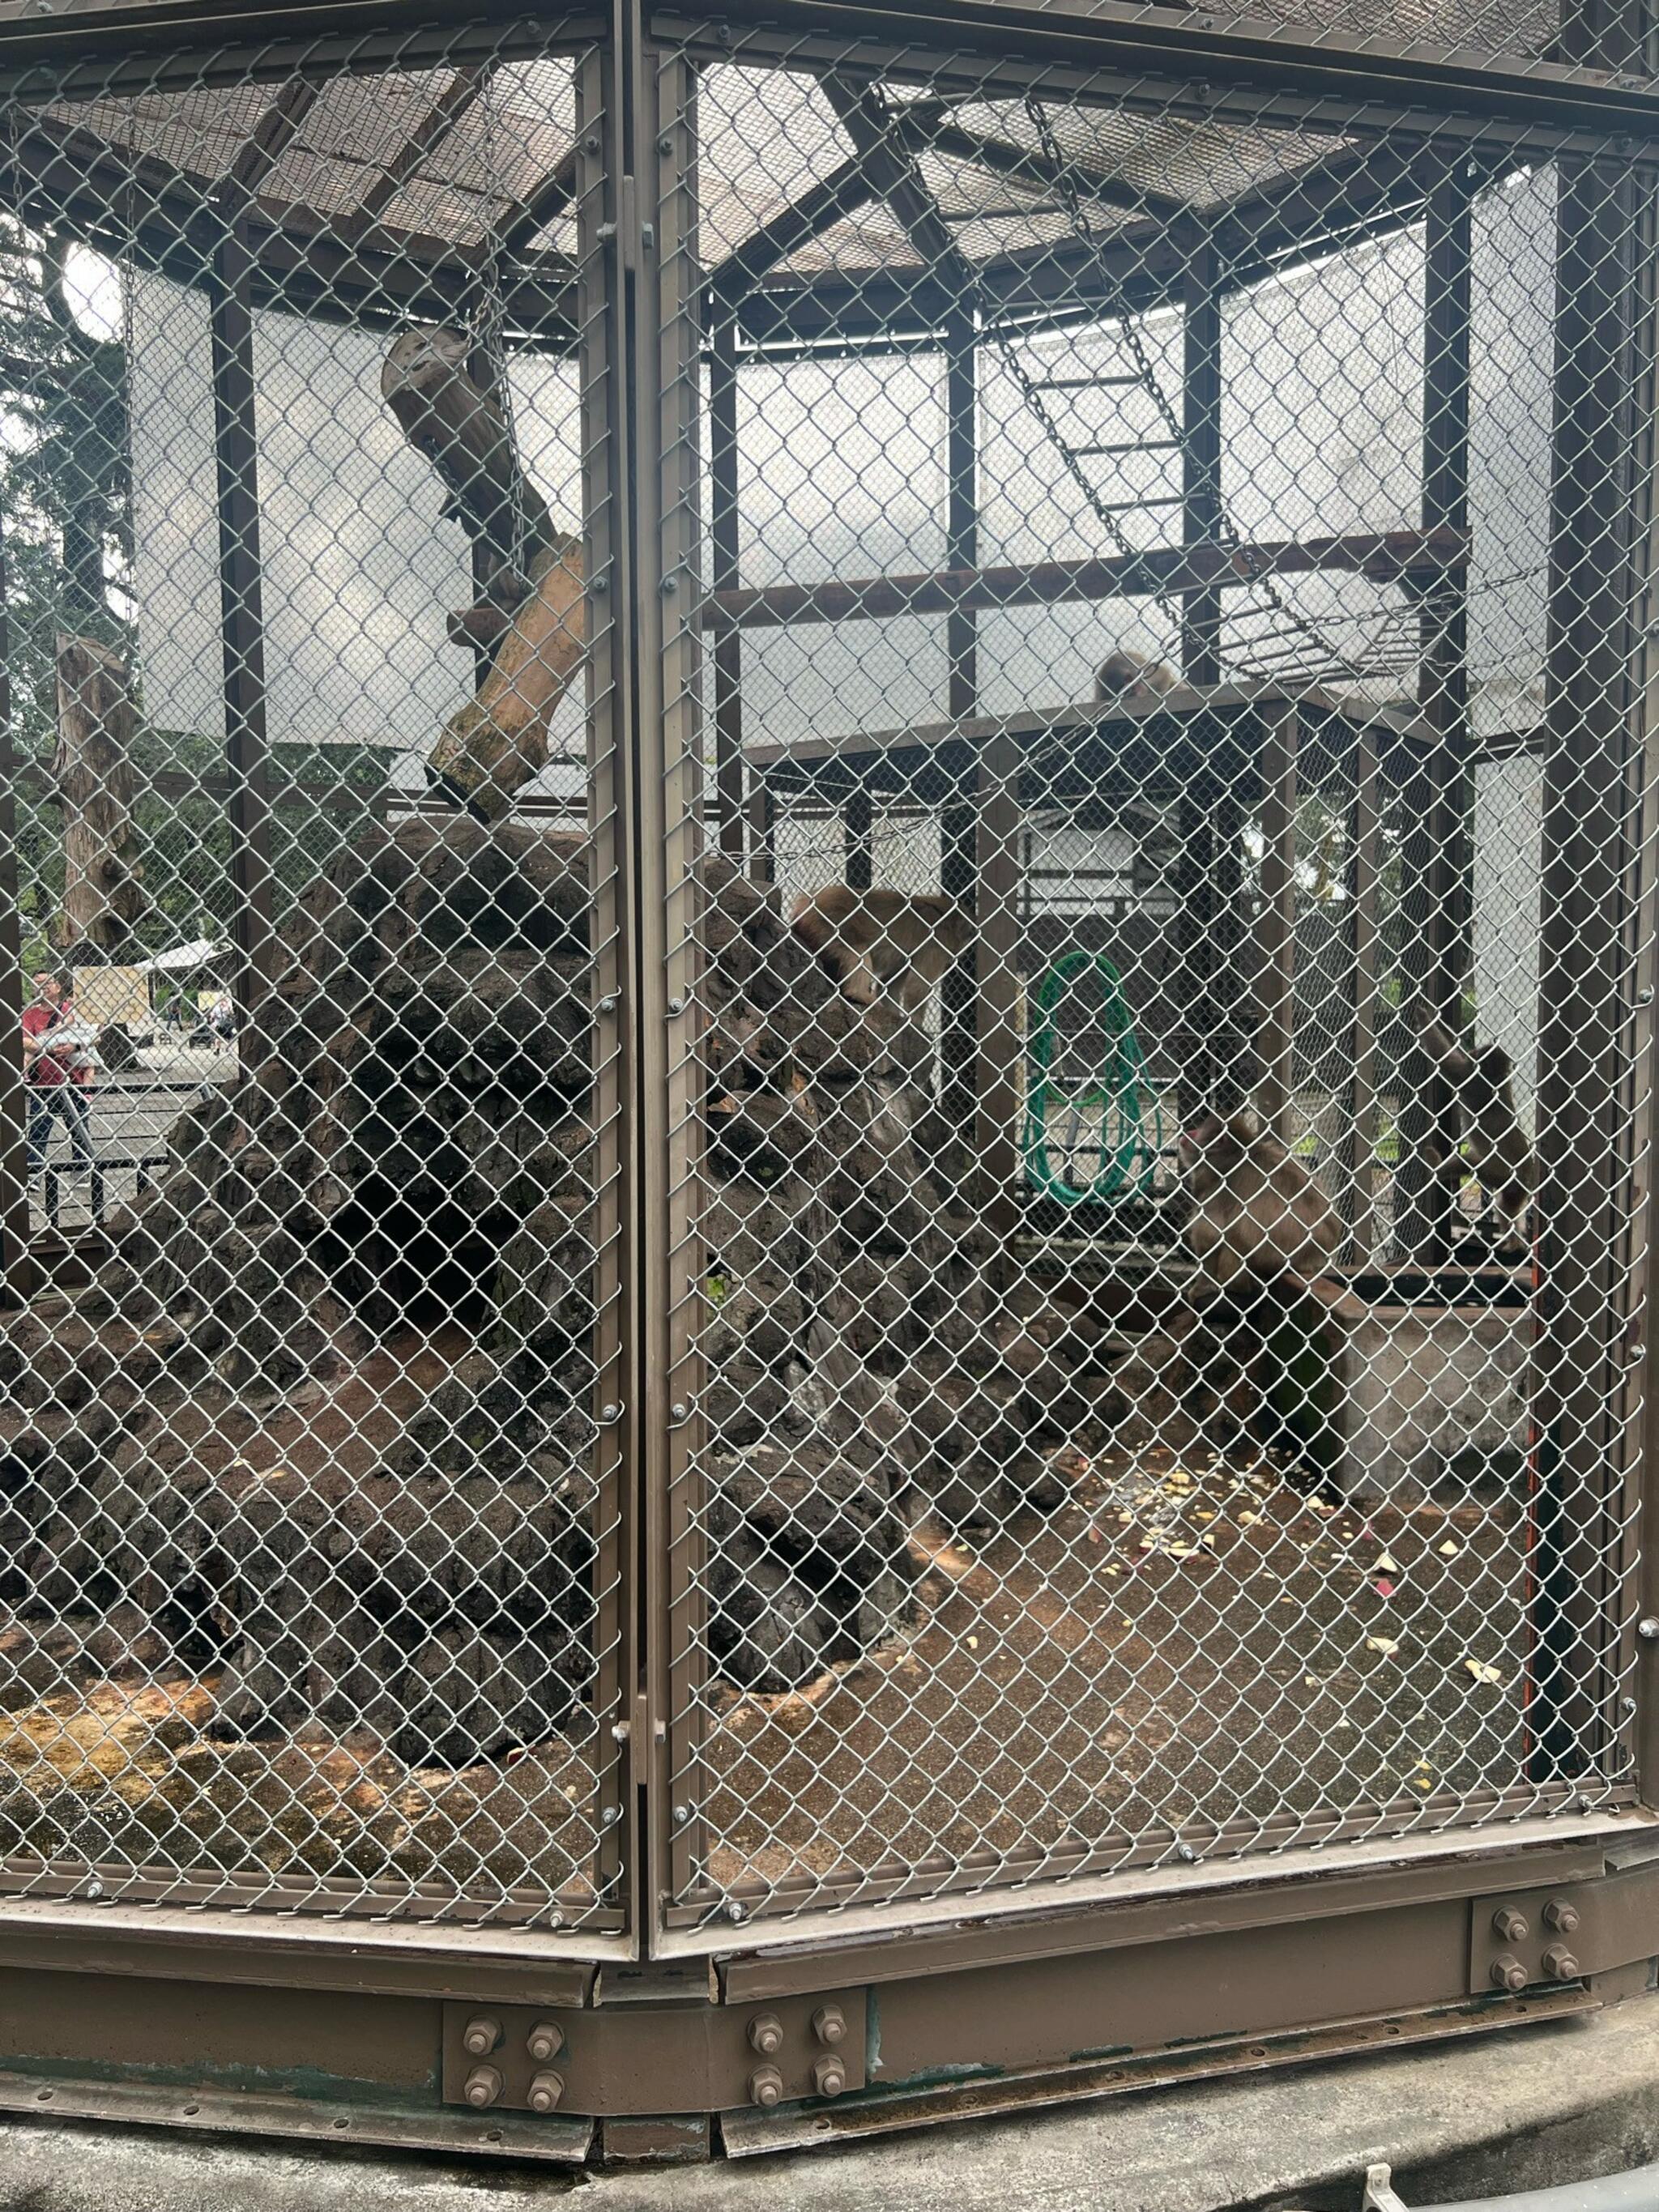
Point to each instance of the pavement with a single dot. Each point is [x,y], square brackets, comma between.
[1491,2115]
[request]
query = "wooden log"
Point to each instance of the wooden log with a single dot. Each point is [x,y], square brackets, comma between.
[498,740]
[103,877]
[1383,554]
[448,417]
[531,574]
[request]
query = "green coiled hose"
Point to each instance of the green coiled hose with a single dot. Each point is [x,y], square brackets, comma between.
[1120,1093]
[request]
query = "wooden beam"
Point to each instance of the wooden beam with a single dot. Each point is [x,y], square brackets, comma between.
[1004,159]
[458,97]
[841,193]
[1383,554]
[274,132]
[549,199]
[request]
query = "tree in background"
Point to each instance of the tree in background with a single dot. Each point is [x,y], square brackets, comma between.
[66,512]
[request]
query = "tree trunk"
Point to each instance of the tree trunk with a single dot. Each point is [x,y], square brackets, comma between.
[498,740]
[532,595]
[103,877]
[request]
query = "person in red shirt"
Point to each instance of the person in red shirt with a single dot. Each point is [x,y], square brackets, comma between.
[55,1078]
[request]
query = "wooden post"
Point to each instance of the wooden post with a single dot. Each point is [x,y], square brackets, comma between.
[1200,458]
[103,877]
[725,575]
[1276,924]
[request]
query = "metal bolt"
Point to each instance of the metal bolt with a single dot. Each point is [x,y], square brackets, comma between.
[765,2087]
[829,2075]
[601,582]
[1561,1916]
[1511,1926]
[1509,1973]
[735,1913]
[1647,1629]
[679,1410]
[665,144]
[1644,996]
[591,143]
[611,1815]
[544,2092]
[1186,1854]
[1637,1354]
[766,2034]
[610,1410]
[545,2041]
[677,1005]
[680,1815]
[95,1889]
[1627,1706]
[669,586]
[620,1731]
[1560,1965]
[608,1003]
[483,2087]
[828,2023]
[480,2036]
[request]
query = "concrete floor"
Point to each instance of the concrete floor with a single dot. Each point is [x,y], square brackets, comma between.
[1492,2115]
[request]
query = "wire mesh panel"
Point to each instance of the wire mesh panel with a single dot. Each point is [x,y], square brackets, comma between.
[1154,909]
[311,1406]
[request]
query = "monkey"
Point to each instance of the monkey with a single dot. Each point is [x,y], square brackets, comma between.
[1476,1128]
[1264,1232]
[1255,1208]
[1129,679]
[877,940]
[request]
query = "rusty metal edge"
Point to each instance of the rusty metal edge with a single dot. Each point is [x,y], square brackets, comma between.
[883,1944]
[745,2135]
[565,2142]
[408,1960]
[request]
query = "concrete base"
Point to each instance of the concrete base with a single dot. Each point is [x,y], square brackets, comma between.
[1492,2114]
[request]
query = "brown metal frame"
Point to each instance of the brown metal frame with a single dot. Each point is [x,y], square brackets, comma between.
[1024,1984]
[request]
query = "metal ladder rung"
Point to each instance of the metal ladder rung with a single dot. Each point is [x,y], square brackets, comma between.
[1083,383]
[1135,506]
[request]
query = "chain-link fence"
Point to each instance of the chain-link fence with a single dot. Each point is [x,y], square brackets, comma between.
[828,875]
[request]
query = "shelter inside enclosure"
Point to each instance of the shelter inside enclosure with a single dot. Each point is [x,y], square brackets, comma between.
[828,920]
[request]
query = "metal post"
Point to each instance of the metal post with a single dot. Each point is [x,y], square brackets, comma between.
[959,823]
[1277,920]
[16,1268]
[858,838]
[1435,860]
[236,449]
[725,575]
[1200,458]
[1603,281]
[1358,1149]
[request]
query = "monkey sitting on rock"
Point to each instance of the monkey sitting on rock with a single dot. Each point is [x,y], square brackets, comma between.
[1264,1233]
[878,941]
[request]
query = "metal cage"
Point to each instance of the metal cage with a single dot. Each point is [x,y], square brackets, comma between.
[825,1208]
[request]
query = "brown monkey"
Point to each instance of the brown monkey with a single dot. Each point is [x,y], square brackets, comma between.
[1478,1130]
[878,940]
[1129,679]
[1255,1208]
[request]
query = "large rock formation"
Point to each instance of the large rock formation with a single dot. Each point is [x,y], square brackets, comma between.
[322,1431]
